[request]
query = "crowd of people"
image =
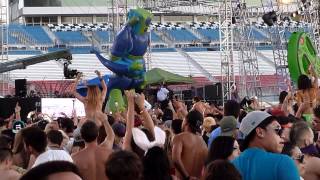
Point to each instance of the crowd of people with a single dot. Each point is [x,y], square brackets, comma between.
[170,141]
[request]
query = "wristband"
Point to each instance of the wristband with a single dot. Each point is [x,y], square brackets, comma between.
[101,79]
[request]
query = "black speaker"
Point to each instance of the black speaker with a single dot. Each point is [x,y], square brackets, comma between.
[199,92]
[187,95]
[218,93]
[213,92]
[21,87]
[210,92]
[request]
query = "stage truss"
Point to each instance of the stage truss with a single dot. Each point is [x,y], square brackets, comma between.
[250,84]
[226,48]
[4,77]
[242,40]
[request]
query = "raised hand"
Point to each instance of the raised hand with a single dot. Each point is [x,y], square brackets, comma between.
[79,75]
[130,94]
[140,100]
[17,108]
[98,73]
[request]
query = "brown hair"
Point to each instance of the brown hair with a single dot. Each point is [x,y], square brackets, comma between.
[124,165]
[93,96]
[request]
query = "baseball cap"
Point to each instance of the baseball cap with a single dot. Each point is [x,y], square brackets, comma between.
[252,120]
[228,124]
[119,129]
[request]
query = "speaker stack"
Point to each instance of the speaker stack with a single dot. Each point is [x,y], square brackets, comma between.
[21,87]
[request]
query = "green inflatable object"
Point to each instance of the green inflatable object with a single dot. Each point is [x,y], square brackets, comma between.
[115,102]
[301,53]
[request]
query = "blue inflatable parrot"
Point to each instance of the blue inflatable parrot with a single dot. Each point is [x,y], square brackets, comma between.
[126,61]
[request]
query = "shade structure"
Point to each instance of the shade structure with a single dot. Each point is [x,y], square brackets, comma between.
[158,76]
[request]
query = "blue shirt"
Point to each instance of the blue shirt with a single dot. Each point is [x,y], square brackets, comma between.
[214,134]
[257,164]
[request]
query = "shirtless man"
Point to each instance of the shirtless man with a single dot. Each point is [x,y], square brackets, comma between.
[6,171]
[94,99]
[199,105]
[189,151]
[91,160]
[180,108]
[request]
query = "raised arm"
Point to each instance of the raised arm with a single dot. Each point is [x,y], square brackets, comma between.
[314,75]
[130,120]
[148,123]
[108,141]
[174,112]
[17,110]
[286,103]
[75,93]
[103,85]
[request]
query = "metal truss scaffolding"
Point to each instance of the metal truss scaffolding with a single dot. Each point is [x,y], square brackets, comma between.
[249,71]
[226,48]
[147,56]
[279,48]
[311,14]
[4,77]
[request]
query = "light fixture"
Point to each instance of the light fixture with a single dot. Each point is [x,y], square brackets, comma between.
[270,18]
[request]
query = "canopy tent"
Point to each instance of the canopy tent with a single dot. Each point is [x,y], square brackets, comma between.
[158,76]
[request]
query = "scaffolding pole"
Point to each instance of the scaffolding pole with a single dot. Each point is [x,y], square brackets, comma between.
[226,48]
[248,61]
[4,77]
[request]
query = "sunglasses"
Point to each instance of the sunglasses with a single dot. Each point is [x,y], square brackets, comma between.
[300,158]
[278,130]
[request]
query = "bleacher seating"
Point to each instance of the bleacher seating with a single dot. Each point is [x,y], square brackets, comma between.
[18,30]
[163,50]
[81,50]
[11,40]
[203,25]
[165,26]
[80,27]
[103,36]
[38,34]
[258,36]
[74,49]
[211,34]
[181,35]
[25,52]
[71,37]
[155,38]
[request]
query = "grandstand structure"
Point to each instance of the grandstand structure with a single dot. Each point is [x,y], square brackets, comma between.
[185,39]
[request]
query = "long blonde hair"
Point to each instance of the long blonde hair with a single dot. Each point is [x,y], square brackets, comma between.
[93,96]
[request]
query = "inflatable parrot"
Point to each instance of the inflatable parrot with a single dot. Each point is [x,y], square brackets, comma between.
[126,61]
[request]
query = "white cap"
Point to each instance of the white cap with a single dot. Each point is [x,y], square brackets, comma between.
[251,121]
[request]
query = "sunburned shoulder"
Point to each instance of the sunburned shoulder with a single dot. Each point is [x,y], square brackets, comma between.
[79,154]
[186,137]
[10,175]
[103,149]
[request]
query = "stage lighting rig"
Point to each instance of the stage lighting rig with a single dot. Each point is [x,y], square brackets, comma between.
[270,18]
